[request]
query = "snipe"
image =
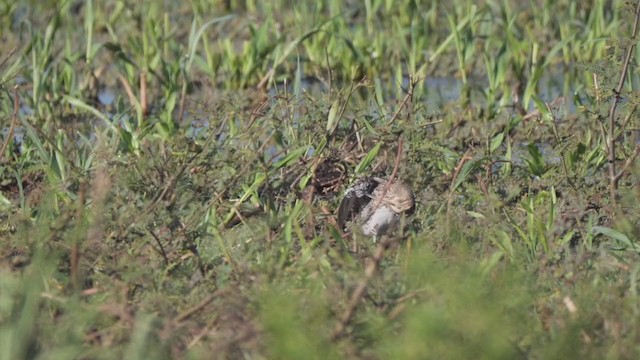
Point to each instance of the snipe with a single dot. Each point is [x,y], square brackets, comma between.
[376,205]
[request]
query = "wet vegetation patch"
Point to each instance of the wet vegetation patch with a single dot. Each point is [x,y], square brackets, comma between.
[170,175]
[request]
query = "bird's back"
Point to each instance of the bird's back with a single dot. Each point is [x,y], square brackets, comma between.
[376,203]
[355,199]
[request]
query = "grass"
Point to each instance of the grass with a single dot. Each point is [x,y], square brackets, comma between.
[193,216]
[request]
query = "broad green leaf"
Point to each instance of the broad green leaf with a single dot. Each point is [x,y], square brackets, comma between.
[195,36]
[503,241]
[476,215]
[291,157]
[613,234]
[535,161]
[542,107]
[368,159]
[496,142]
[468,168]
[332,118]
[84,106]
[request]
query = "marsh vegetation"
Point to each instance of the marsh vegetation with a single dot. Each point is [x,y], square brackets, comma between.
[170,171]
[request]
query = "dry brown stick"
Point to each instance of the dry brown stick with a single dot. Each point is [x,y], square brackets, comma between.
[400,303]
[258,111]
[393,175]
[626,121]
[9,55]
[431,123]
[361,288]
[628,163]
[400,142]
[373,264]
[397,160]
[613,175]
[160,247]
[202,333]
[127,88]
[190,312]
[404,102]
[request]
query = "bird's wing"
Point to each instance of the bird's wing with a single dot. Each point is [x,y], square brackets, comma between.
[355,199]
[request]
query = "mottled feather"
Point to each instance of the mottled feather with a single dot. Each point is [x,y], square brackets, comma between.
[355,199]
[375,205]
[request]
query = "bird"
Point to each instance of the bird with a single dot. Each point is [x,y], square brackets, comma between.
[376,205]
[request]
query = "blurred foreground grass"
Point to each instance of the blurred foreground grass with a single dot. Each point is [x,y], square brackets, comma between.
[169,173]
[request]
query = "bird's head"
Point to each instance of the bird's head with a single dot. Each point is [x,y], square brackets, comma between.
[400,198]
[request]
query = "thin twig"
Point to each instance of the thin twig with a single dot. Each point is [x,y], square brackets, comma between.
[202,333]
[431,123]
[373,264]
[626,121]
[387,185]
[628,163]
[190,312]
[400,303]
[14,121]
[168,186]
[343,108]
[160,247]
[404,102]
[358,293]
[397,161]
[9,55]
[127,88]
[613,175]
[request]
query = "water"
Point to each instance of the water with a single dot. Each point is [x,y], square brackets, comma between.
[438,91]
[106,96]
